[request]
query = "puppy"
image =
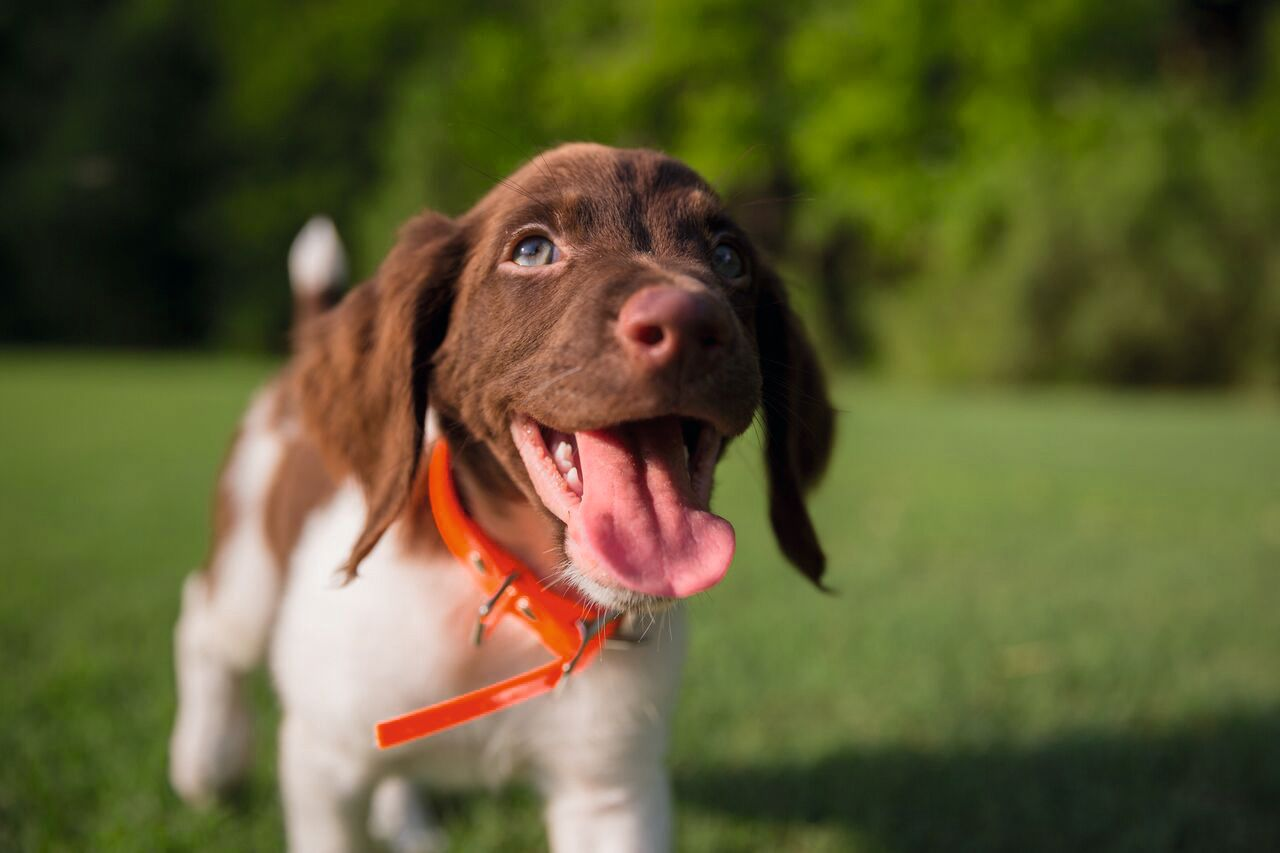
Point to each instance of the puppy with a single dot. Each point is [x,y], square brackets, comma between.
[585,340]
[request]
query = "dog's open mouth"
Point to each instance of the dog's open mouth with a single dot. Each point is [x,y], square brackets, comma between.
[634,500]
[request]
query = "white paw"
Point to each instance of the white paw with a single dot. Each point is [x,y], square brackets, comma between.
[209,752]
[399,818]
[211,745]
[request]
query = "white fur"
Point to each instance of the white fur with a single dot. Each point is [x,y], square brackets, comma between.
[317,260]
[400,820]
[226,620]
[398,638]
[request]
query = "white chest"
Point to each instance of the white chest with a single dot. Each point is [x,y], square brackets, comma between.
[398,638]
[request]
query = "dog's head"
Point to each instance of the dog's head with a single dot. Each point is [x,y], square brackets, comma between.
[590,334]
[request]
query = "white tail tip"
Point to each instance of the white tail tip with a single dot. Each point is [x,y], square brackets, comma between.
[317,261]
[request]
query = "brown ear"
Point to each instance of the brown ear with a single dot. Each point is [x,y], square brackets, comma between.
[799,423]
[363,370]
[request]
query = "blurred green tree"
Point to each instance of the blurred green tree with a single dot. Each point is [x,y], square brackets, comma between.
[104,162]
[1079,190]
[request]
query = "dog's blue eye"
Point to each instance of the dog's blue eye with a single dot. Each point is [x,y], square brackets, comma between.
[535,252]
[727,262]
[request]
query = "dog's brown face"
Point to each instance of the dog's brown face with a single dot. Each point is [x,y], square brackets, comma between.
[590,333]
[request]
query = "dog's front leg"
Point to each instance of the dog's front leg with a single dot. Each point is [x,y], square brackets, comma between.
[627,812]
[326,793]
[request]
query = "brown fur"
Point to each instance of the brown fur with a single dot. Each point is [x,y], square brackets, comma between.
[224,513]
[300,485]
[445,319]
[799,426]
[362,373]
[420,528]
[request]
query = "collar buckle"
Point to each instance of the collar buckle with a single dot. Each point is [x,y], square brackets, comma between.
[483,622]
[573,632]
[588,629]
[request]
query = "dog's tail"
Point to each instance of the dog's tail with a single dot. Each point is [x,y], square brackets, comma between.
[317,269]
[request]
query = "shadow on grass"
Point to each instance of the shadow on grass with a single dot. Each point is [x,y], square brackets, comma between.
[1213,785]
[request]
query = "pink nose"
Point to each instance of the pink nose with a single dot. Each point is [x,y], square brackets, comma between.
[662,324]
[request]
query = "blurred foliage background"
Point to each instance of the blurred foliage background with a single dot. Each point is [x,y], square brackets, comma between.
[1065,190]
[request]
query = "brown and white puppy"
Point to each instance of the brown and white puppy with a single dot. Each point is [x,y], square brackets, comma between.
[587,338]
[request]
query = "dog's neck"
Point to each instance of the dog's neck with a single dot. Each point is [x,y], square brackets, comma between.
[498,505]
[513,523]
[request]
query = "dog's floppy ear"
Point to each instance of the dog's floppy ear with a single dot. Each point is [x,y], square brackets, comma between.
[798,421]
[363,370]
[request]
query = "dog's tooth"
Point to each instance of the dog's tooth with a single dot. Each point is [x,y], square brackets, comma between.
[564,456]
[574,480]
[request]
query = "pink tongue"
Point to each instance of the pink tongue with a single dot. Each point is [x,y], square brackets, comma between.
[639,521]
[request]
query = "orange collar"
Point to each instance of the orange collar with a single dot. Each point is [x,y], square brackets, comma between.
[574,633]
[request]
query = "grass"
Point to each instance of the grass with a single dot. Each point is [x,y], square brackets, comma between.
[1058,627]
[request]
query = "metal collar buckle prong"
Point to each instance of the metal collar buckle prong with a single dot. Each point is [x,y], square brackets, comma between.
[588,629]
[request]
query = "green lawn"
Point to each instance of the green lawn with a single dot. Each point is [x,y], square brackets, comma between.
[1057,628]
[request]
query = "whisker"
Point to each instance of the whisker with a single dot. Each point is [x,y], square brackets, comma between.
[559,377]
[536,159]
[729,174]
[515,187]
